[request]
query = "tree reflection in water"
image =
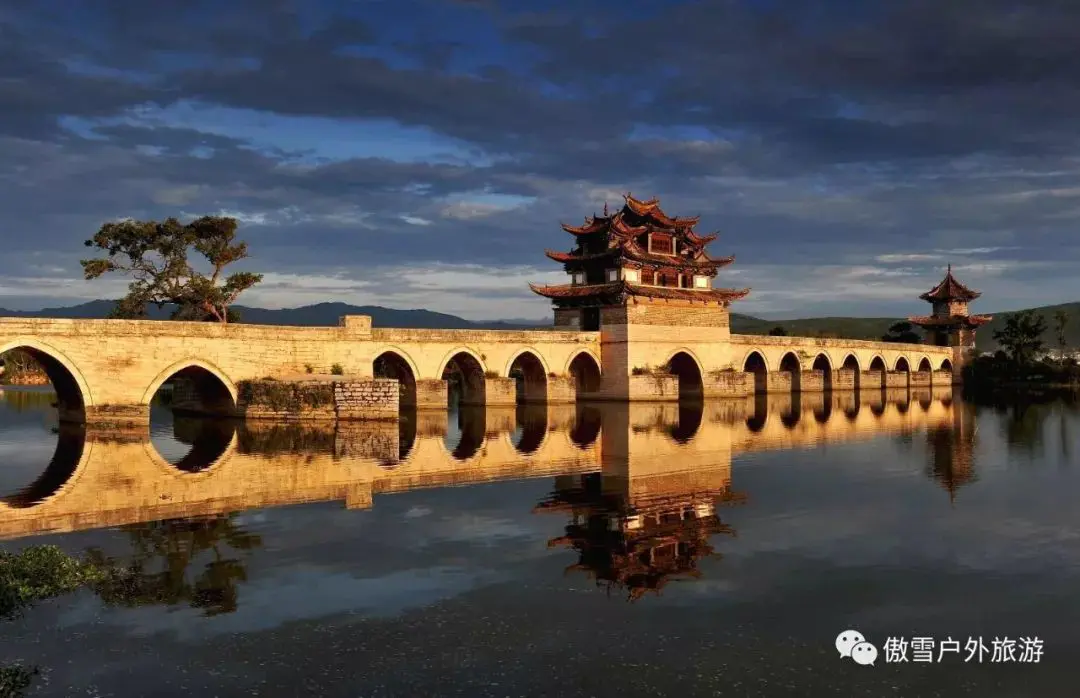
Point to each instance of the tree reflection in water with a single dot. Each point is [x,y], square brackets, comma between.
[164,557]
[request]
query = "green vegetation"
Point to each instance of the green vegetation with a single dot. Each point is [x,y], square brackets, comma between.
[337,370]
[282,396]
[876,328]
[902,332]
[155,255]
[35,574]
[1022,336]
[38,573]
[1021,362]
[14,680]
[21,368]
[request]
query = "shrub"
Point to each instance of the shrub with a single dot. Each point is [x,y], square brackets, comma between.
[337,370]
[308,368]
[491,374]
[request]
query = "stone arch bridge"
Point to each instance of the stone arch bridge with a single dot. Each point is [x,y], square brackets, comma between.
[107,371]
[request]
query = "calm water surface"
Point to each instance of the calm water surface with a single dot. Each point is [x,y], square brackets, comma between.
[602,551]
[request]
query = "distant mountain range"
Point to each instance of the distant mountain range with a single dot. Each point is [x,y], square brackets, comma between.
[307,316]
[328,314]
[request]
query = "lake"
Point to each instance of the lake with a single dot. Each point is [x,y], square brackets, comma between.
[599,550]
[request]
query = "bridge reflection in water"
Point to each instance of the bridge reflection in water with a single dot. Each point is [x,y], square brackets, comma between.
[641,485]
[639,451]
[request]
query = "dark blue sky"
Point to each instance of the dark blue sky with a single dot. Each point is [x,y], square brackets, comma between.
[421,153]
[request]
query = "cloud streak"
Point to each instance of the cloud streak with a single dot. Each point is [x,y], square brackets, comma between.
[845,158]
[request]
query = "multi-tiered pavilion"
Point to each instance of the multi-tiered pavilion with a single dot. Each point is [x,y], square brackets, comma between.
[638,253]
[950,323]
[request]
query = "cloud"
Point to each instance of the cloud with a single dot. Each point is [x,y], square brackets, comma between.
[842,155]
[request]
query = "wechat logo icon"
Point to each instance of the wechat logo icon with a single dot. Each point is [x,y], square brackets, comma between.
[852,644]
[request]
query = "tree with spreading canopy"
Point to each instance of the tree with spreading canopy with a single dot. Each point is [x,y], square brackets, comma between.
[1022,335]
[778,331]
[155,254]
[902,332]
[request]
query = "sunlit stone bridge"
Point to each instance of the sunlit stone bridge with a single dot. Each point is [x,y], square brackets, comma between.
[640,321]
[109,370]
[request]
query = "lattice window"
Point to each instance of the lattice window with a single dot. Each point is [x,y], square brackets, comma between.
[648,277]
[663,244]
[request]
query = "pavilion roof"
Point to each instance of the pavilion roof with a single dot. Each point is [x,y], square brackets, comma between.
[950,289]
[630,250]
[950,320]
[638,217]
[622,287]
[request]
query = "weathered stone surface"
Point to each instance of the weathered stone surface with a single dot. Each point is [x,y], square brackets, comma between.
[108,370]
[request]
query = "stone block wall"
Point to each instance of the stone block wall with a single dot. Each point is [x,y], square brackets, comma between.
[431,393]
[872,380]
[669,314]
[655,386]
[272,399]
[561,389]
[812,381]
[921,379]
[568,318]
[500,391]
[779,382]
[897,379]
[721,384]
[319,400]
[844,379]
[945,378]
[375,398]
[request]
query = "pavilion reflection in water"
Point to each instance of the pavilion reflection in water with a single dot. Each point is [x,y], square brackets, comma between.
[638,546]
[640,483]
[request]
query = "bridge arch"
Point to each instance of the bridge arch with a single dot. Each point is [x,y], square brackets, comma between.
[790,364]
[67,463]
[202,388]
[393,362]
[685,365]
[465,368]
[946,365]
[877,365]
[851,363]
[584,368]
[528,368]
[754,362]
[73,394]
[902,365]
[823,363]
